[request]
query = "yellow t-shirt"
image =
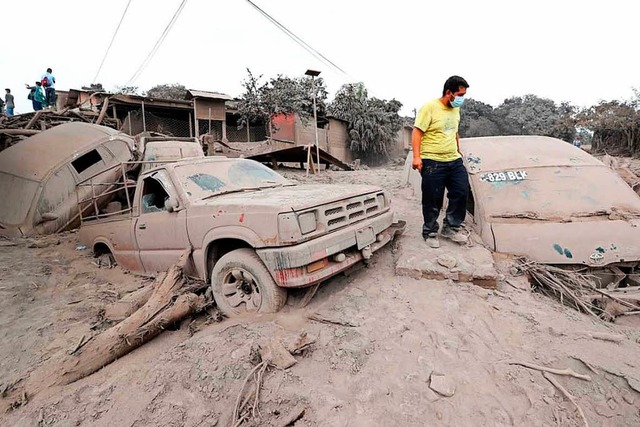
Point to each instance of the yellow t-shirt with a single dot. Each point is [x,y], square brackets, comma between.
[440,126]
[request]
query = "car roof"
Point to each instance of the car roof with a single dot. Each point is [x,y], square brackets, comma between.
[35,157]
[495,153]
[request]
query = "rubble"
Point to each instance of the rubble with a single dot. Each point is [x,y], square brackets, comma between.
[15,129]
[451,261]
[442,385]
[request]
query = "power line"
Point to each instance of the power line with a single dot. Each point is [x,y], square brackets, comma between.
[155,48]
[111,43]
[298,40]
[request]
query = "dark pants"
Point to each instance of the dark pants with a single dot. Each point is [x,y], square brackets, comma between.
[436,177]
[50,93]
[36,105]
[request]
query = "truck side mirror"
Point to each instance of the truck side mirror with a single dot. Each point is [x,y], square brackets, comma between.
[171,204]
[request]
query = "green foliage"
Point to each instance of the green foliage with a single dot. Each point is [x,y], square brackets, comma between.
[615,125]
[126,90]
[281,95]
[167,91]
[532,115]
[373,123]
[477,119]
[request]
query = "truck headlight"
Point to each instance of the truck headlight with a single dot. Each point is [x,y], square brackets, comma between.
[383,200]
[288,228]
[307,222]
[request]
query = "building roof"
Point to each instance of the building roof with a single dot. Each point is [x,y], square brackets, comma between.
[191,93]
[35,157]
[152,102]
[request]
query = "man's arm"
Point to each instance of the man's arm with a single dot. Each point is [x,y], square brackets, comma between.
[416,138]
[458,142]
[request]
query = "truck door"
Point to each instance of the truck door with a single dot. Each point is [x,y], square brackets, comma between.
[161,235]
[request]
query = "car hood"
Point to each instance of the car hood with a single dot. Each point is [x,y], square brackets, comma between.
[296,197]
[593,243]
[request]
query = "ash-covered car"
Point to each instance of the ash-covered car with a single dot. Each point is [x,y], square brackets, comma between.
[253,233]
[554,203]
[39,176]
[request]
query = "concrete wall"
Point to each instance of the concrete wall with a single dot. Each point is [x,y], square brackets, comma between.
[284,128]
[305,134]
[337,139]
[333,138]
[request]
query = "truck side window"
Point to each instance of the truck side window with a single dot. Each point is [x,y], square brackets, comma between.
[153,196]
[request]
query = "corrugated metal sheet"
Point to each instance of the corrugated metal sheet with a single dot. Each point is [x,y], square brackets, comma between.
[205,94]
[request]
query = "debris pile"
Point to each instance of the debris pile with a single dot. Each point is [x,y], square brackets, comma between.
[623,168]
[15,129]
[580,291]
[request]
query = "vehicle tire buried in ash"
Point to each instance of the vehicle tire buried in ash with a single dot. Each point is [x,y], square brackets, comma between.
[242,284]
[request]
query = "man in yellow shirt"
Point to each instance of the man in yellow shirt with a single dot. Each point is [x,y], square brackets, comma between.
[436,155]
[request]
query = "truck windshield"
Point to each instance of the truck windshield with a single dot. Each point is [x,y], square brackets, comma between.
[206,179]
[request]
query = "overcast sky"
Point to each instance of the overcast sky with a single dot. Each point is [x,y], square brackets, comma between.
[566,50]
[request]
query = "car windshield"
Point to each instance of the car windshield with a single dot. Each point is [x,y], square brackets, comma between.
[206,179]
[554,193]
[21,193]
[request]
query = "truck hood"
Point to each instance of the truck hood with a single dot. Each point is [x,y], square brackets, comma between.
[296,197]
[593,243]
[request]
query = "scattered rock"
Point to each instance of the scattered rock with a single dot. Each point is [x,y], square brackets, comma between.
[628,397]
[294,415]
[275,352]
[447,261]
[442,385]
[42,243]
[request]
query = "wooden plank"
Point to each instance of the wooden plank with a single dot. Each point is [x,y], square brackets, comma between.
[103,111]
[19,131]
[34,119]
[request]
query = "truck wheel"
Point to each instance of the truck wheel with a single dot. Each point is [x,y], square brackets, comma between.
[241,283]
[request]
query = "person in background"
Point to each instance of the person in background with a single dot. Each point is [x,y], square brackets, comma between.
[39,98]
[10,104]
[48,81]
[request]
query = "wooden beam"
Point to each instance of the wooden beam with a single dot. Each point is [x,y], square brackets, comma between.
[103,112]
[34,119]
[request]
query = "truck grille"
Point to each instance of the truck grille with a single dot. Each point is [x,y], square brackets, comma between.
[340,214]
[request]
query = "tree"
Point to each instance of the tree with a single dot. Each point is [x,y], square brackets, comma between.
[126,90]
[532,115]
[615,125]
[280,95]
[373,124]
[167,91]
[477,119]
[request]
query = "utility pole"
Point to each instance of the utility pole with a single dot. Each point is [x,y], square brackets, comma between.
[313,75]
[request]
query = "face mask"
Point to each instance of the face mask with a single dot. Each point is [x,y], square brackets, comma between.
[457,102]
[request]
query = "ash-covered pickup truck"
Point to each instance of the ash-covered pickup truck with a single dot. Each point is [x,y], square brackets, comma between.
[253,233]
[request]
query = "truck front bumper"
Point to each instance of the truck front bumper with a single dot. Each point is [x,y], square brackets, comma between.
[312,262]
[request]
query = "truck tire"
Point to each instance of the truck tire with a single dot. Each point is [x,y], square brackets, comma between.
[241,283]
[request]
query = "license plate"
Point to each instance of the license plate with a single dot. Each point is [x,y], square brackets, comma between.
[365,237]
